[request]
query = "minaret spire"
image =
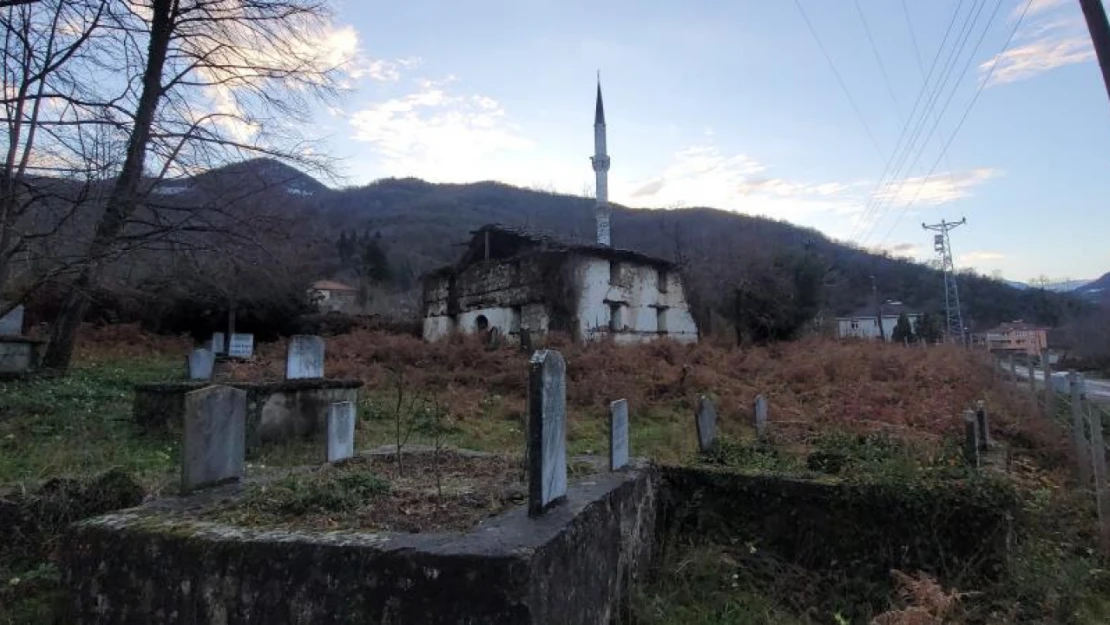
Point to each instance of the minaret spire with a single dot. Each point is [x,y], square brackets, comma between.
[600,161]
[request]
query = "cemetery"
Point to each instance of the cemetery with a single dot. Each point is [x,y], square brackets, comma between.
[747,503]
[277,410]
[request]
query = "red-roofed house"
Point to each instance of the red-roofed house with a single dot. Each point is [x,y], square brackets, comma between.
[332,296]
[1017,337]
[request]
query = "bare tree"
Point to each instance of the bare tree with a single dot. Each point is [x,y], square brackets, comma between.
[58,139]
[207,82]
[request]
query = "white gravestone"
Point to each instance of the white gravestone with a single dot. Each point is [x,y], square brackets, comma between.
[618,434]
[241,346]
[12,323]
[547,431]
[304,358]
[215,436]
[706,418]
[759,411]
[218,346]
[341,431]
[201,364]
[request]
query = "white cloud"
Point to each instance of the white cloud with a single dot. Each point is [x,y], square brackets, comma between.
[439,135]
[1056,39]
[933,190]
[704,176]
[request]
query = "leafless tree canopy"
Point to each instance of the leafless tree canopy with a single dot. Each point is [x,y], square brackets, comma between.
[106,100]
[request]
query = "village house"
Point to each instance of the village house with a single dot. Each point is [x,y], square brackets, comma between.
[331,296]
[508,281]
[1017,337]
[865,323]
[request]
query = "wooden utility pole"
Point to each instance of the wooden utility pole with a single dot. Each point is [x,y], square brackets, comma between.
[878,308]
[1099,28]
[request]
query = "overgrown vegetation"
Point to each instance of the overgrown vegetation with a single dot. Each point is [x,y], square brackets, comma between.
[866,414]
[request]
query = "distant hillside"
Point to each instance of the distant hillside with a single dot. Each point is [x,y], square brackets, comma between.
[745,270]
[1096,290]
[424,225]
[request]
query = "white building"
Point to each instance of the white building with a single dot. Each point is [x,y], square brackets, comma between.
[509,281]
[864,323]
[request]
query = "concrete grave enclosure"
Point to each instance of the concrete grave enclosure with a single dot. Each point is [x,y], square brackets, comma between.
[153,565]
[571,565]
[276,411]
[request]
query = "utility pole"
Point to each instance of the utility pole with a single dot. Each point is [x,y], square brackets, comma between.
[943,247]
[1095,14]
[878,308]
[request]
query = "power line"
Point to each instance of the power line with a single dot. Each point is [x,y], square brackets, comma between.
[878,60]
[839,79]
[967,111]
[921,69]
[891,195]
[887,195]
[872,204]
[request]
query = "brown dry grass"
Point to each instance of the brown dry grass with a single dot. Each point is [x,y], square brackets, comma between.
[811,385]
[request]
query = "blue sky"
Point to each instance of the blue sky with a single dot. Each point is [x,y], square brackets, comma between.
[734,105]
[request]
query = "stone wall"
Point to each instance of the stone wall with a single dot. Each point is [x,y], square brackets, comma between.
[569,567]
[865,529]
[275,410]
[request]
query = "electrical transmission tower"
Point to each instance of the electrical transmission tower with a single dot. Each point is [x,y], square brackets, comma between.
[943,247]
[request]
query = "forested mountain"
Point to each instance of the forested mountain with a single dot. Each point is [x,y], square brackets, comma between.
[769,277]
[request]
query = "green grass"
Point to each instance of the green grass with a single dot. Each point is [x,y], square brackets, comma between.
[80,424]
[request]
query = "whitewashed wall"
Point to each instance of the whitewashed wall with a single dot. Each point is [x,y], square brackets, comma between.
[636,288]
[866,328]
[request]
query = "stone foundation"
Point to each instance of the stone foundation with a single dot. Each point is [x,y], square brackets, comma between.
[276,411]
[571,566]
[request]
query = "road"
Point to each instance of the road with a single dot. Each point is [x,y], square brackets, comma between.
[1097,389]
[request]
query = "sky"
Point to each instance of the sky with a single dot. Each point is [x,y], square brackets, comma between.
[860,118]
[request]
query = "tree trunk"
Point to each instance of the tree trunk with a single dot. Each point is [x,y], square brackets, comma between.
[124,196]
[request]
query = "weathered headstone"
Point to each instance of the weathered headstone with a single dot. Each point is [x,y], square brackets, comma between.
[618,434]
[971,438]
[525,340]
[201,364]
[305,357]
[218,346]
[12,323]
[706,418]
[547,431]
[241,346]
[215,436]
[982,425]
[341,431]
[759,414]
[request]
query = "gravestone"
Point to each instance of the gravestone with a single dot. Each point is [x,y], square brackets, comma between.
[982,425]
[547,431]
[525,340]
[215,436]
[201,364]
[12,323]
[341,431]
[706,418]
[218,346]
[241,346]
[305,357]
[759,411]
[971,438]
[618,434]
